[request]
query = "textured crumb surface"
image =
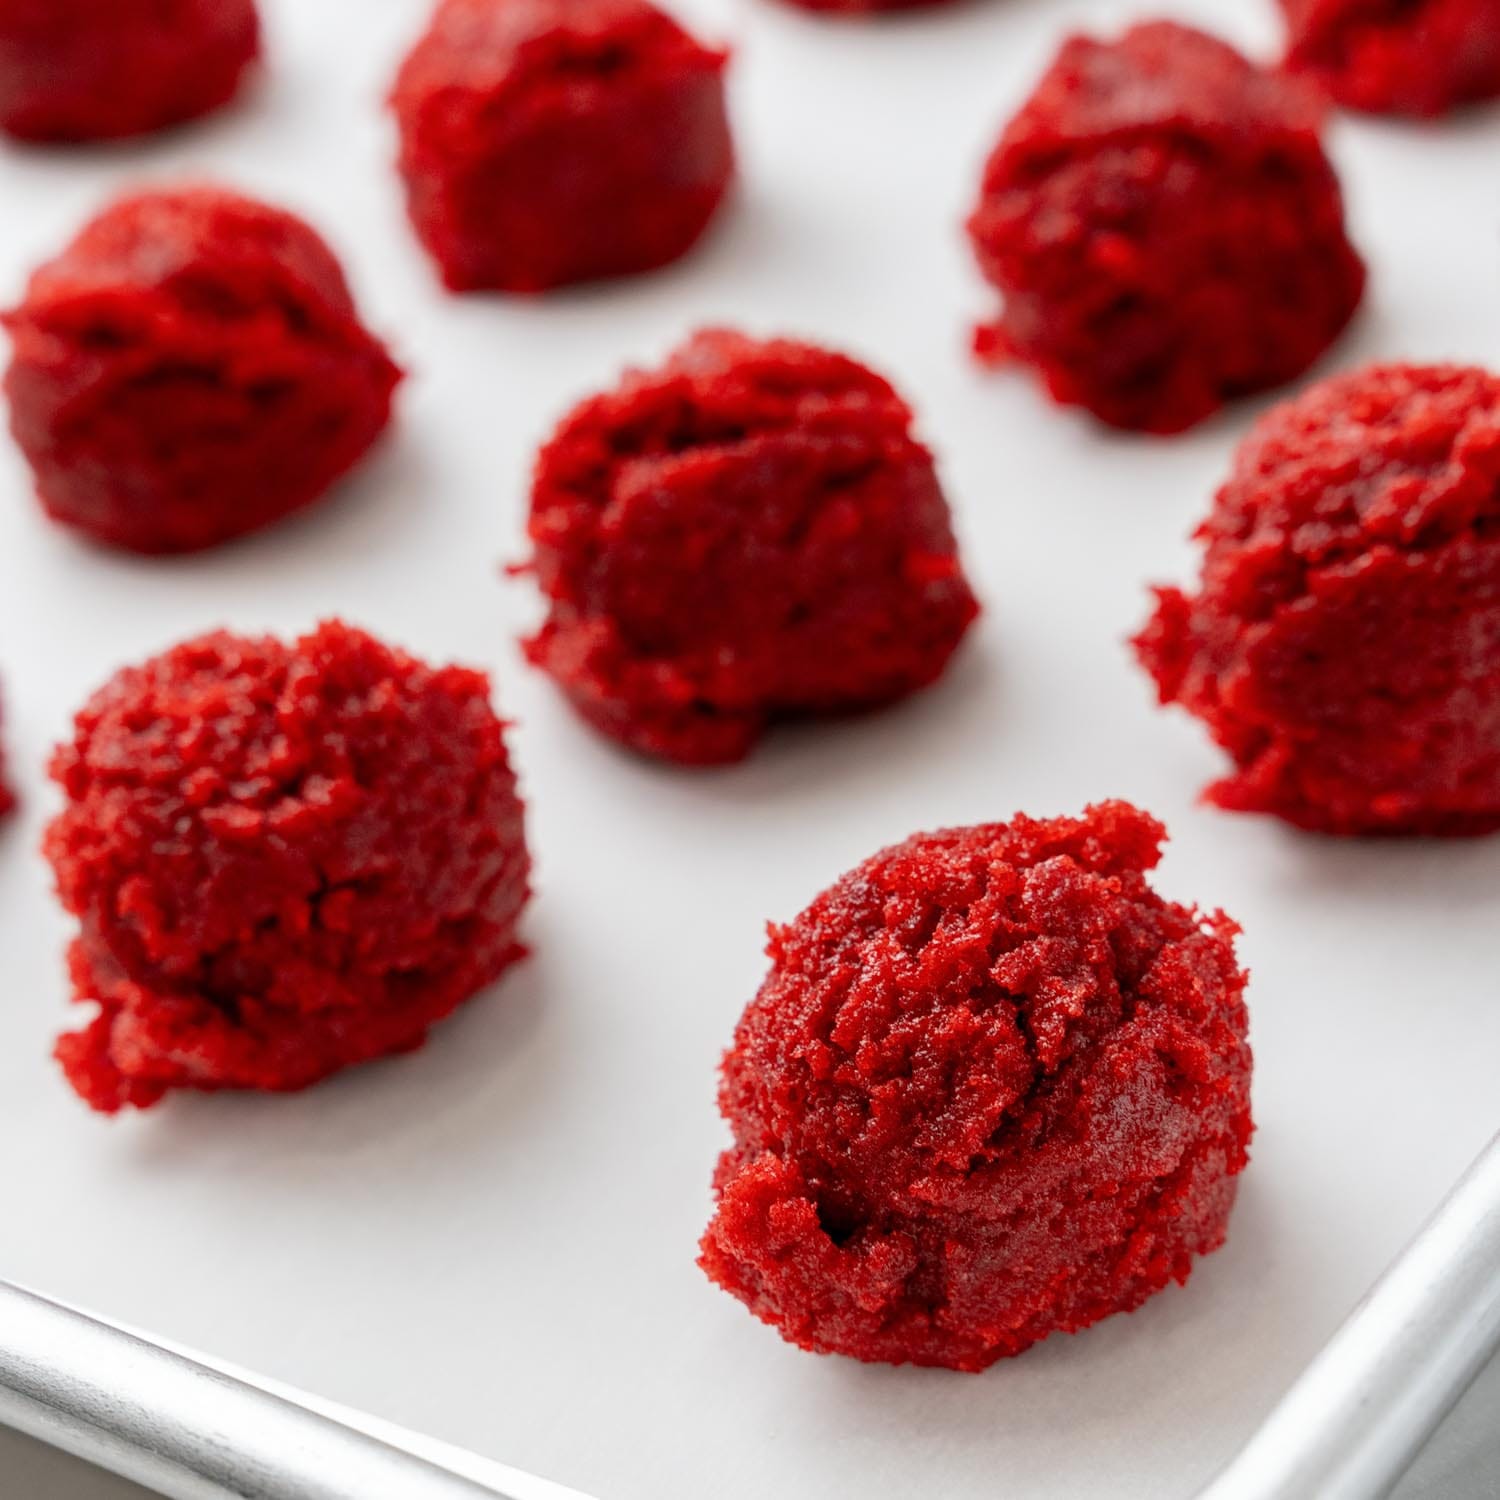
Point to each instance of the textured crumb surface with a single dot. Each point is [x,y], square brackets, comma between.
[1164,229]
[545,142]
[191,368]
[283,859]
[994,1088]
[749,534]
[86,70]
[1403,57]
[1343,644]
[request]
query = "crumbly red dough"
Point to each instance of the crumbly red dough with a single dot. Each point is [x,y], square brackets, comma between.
[553,141]
[1165,230]
[283,859]
[749,534]
[993,1088]
[190,368]
[1344,642]
[83,70]
[1407,57]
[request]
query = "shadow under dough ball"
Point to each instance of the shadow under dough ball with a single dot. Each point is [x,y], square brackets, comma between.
[1343,643]
[856,9]
[749,534]
[993,1088]
[284,859]
[1406,57]
[189,369]
[545,142]
[7,792]
[86,70]
[1165,230]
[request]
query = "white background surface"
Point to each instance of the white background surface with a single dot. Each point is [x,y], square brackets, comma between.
[493,1240]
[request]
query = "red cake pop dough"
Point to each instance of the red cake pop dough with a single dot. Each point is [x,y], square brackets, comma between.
[1164,229]
[552,141]
[283,859]
[191,368]
[1343,644]
[1407,57]
[84,70]
[747,535]
[993,1088]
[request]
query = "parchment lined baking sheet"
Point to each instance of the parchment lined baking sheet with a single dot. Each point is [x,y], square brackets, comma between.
[493,1240]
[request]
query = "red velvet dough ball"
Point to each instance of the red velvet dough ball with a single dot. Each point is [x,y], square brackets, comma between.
[1403,57]
[749,534]
[1165,230]
[191,368]
[283,859]
[87,70]
[545,142]
[993,1088]
[1343,644]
